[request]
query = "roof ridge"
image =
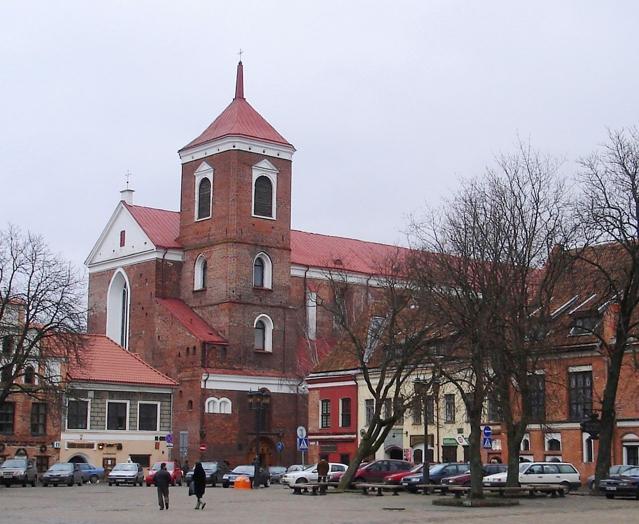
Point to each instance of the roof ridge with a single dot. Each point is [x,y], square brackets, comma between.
[140,359]
[151,207]
[350,238]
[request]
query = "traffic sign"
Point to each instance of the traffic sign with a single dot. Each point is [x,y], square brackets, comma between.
[461,440]
[487,443]
[169,438]
[302,444]
[488,432]
[301,432]
[203,447]
[279,446]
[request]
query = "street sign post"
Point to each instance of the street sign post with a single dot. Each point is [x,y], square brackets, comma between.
[488,432]
[487,443]
[301,432]
[169,438]
[302,443]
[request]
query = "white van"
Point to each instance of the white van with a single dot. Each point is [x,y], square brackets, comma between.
[540,473]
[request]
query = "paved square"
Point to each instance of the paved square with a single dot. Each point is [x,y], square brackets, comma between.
[137,505]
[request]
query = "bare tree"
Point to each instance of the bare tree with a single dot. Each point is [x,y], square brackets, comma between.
[609,214]
[491,242]
[386,338]
[42,316]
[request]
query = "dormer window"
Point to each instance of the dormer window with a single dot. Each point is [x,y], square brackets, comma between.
[584,325]
[264,190]
[203,191]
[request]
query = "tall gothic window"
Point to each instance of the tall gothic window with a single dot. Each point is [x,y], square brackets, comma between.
[580,394]
[204,199]
[199,273]
[263,332]
[258,272]
[260,334]
[118,301]
[262,271]
[263,197]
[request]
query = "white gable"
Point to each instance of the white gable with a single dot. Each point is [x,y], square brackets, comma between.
[108,249]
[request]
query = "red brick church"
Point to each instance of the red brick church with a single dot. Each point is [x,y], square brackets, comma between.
[220,295]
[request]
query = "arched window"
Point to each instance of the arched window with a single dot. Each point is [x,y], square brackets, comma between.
[211,405]
[263,197]
[554,444]
[263,328]
[203,191]
[189,405]
[225,406]
[199,273]
[29,375]
[262,271]
[204,199]
[118,303]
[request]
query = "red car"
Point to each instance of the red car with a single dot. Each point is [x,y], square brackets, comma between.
[396,478]
[464,478]
[171,466]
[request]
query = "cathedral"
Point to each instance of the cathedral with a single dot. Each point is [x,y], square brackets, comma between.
[222,295]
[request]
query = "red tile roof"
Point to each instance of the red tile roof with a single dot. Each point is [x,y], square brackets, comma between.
[339,253]
[161,226]
[239,119]
[307,249]
[102,360]
[191,321]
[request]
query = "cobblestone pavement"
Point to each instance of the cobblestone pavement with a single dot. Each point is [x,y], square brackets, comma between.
[138,505]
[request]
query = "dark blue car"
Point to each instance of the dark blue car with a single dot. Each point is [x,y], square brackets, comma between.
[625,484]
[91,473]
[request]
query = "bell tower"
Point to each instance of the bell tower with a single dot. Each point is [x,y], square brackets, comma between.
[235,222]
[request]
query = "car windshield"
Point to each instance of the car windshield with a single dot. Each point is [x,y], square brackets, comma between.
[14,463]
[209,465]
[417,468]
[61,467]
[631,472]
[245,470]
[436,469]
[158,465]
[125,467]
[311,468]
[277,469]
[523,467]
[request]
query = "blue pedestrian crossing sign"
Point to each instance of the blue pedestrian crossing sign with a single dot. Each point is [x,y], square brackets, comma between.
[302,444]
[487,443]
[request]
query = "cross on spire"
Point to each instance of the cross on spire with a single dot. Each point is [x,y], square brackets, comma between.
[127,177]
[240,53]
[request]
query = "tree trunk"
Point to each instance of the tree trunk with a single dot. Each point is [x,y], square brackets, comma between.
[515,435]
[476,473]
[608,415]
[363,451]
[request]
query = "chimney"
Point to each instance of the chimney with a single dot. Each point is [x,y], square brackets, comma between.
[126,196]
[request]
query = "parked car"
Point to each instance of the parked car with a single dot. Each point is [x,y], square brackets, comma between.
[436,473]
[63,473]
[91,473]
[464,478]
[246,471]
[18,470]
[614,471]
[171,466]
[276,472]
[295,467]
[126,473]
[376,471]
[214,472]
[625,484]
[396,478]
[540,473]
[310,474]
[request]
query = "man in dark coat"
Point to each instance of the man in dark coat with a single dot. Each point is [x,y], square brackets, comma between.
[199,484]
[322,474]
[162,480]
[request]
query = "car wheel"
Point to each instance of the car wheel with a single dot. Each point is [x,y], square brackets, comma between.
[566,486]
[24,484]
[267,483]
[179,482]
[110,483]
[45,484]
[93,479]
[80,482]
[301,480]
[70,483]
[610,495]
[225,485]
[55,485]
[148,485]
[34,482]
[213,483]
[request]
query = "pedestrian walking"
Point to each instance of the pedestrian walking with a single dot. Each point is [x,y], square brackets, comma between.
[162,480]
[199,484]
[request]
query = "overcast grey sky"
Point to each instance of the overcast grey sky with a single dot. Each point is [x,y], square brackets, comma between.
[388,103]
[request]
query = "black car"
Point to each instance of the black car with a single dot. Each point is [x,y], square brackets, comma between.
[625,484]
[63,473]
[264,479]
[214,472]
[276,472]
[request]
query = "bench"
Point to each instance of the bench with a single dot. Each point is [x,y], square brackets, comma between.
[314,488]
[380,488]
[428,488]
[531,489]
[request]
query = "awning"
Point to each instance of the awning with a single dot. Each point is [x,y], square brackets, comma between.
[449,442]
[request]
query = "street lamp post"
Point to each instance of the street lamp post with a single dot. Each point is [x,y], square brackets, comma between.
[425,386]
[258,401]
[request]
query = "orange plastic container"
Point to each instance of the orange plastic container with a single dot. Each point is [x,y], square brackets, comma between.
[242,483]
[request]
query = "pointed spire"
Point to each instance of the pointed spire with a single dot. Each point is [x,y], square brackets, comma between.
[239,82]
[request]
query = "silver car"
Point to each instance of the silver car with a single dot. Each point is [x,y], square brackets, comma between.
[126,473]
[18,470]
